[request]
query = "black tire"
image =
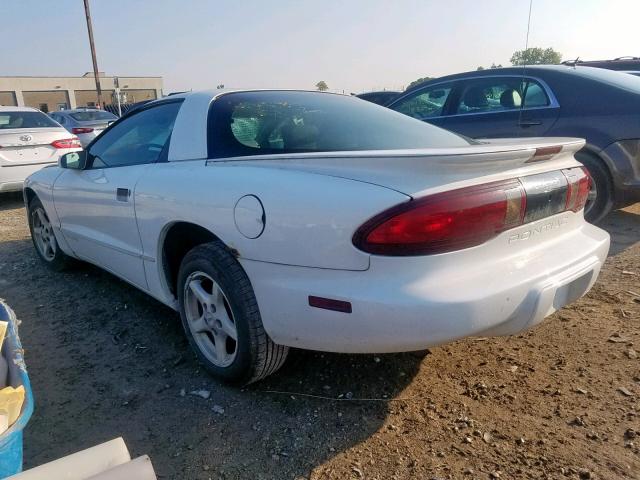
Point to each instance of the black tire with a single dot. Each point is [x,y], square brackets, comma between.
[420,353]
[597,209]
[256,355]
[54,258]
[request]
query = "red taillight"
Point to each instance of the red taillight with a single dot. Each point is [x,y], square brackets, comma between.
[445,222]
[470,216]
[579,184]
[67,143]
[81,130]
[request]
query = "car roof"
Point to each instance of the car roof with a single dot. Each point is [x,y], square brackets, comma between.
[518,70]
[78,110]
[377,92]
[221,91]
[212,94]
[8,108]
[620,63]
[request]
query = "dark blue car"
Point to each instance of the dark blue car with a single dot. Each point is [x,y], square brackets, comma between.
[601,106]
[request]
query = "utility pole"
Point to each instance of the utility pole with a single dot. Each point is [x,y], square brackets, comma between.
[93,53]
[116,81]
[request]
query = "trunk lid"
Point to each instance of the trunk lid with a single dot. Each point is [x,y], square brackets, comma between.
[23,146]
[96,125]
[419,172]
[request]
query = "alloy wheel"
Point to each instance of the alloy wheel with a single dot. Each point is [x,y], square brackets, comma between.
[43,234]
[210,319]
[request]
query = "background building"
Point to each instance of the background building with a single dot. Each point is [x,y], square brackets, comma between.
[59,93]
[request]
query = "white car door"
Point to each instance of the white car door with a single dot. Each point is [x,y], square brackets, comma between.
[96,205]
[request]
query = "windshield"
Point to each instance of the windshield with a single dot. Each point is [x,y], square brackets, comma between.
[271,122]
[93,115]
[26,119]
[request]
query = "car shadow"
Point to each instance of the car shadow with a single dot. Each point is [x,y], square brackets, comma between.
[105,360]
[11,201]
[624,228]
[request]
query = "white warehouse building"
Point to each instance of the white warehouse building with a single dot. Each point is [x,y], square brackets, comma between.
[60,93]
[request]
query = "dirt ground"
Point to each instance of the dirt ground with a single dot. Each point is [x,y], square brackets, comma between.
[560,401]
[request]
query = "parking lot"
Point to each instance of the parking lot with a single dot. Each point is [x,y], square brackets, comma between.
[558,401]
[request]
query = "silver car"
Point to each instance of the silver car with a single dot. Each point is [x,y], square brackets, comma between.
[85,123]
[29,140]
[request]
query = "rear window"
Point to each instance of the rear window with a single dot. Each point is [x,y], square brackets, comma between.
[26,119]
[621,80]
[263,123]
[381,98]
[92,115]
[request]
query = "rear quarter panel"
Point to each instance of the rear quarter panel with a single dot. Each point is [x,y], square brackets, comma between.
[600,113]
[595,111]
[310,218]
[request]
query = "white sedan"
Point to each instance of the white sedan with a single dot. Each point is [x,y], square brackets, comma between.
[29,140]
[277,219]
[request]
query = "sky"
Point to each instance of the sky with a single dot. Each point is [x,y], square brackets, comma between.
[353,45]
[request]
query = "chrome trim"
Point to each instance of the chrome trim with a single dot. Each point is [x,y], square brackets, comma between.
[553,101]
[495,111]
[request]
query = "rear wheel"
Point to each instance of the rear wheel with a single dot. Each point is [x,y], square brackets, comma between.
[600,199]
[44,238]
[221,319]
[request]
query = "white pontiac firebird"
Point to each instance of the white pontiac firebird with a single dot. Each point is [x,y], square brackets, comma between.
[277,219]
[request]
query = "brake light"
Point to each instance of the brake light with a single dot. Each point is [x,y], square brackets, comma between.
[67,143]
[470,216]
[579,184]
[445,221]
[78,130]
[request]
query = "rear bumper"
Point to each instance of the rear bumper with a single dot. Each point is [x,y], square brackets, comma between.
[12,177]
[404,304]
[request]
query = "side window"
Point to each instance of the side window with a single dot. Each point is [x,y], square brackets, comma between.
[424,104]
[534,94]
[490,95]
[136,140]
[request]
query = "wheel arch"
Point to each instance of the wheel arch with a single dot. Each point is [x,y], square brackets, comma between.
[594,153]
[176,240]
[29,194]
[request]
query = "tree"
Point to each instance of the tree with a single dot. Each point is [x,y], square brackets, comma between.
[536,56]
[419,81]
[322,86]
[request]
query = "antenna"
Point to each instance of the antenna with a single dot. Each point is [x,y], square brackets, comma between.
[524,65]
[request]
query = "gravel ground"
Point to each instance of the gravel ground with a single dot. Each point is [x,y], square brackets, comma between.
[560,401]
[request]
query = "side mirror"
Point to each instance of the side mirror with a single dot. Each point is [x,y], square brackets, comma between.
[74,160]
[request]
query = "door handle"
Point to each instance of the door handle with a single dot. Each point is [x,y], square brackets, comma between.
[529,123]
[123,194]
